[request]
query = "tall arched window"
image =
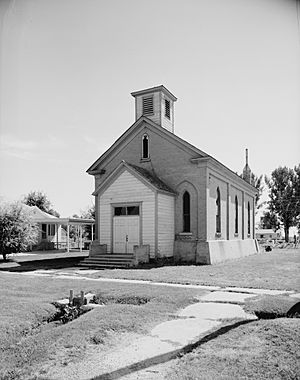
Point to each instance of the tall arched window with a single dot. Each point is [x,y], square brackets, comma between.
[186,202]
[218,212]
[145,147]
[236,228]
[249,229]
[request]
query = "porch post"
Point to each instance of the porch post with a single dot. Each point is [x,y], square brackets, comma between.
[80,231]
[56,228]
[68,241]
[92,232]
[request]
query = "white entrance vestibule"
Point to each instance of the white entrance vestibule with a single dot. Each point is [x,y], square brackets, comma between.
[136,209]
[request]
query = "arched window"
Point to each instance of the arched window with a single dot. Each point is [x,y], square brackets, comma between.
[249,229]
[145,147]
[186,201]
[236,228]
[218,212]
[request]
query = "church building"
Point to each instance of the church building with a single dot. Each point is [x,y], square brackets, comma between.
[158,194]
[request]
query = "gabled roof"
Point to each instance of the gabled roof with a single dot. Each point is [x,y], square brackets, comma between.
[37,214]
[199,154]
[152,125]
[150,179]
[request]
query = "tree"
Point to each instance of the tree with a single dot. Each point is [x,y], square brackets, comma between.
[40,199]
[284,194]
[89,213]
[269,220]
[17,233]
[257,182]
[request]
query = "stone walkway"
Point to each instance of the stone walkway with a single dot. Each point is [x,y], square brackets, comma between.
[219,309]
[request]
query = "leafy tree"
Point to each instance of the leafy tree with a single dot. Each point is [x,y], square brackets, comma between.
[284,193]
[89,213]
[17,232]
[257,182]
[40,199]
[269,220]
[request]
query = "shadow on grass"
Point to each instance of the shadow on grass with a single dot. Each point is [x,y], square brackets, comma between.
[25,266]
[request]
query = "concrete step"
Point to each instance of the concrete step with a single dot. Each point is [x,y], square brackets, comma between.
[108,261]
[101,256]
[104,265]
[111,259]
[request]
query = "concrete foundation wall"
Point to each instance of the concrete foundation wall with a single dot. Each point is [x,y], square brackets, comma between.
[224,250]
[213,251]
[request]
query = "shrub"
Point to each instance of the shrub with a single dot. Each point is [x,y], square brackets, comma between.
[17,233]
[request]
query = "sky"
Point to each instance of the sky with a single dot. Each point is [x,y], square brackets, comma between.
[67,68]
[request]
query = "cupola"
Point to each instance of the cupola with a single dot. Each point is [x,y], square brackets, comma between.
[156,103]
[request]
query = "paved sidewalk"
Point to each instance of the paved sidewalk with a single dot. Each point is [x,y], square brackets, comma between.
[80,274]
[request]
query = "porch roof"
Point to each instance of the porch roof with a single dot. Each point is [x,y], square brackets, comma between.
[66,221]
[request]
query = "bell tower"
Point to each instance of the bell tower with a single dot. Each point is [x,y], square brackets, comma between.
[156,103]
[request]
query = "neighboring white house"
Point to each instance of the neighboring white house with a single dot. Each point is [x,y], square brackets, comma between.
[267,234]
[51,233]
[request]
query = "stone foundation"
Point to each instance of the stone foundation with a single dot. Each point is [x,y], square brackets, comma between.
[185,251]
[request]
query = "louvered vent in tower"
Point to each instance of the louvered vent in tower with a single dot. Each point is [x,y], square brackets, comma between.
[148,105]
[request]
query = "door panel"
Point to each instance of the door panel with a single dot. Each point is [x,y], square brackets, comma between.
[125,233]
[133,232]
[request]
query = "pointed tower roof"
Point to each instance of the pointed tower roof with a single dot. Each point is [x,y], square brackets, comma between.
[247,170]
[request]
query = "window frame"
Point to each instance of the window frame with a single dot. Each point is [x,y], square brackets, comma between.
[126,207]
[44,231]
[249,220]
[218,212]
[145,138]
[186,212]
[236,215]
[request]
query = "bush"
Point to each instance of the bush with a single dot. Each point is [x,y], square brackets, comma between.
[17,233]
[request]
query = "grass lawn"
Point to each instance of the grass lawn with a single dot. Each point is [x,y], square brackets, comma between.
[278,269]
[30,347]
[265,349]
